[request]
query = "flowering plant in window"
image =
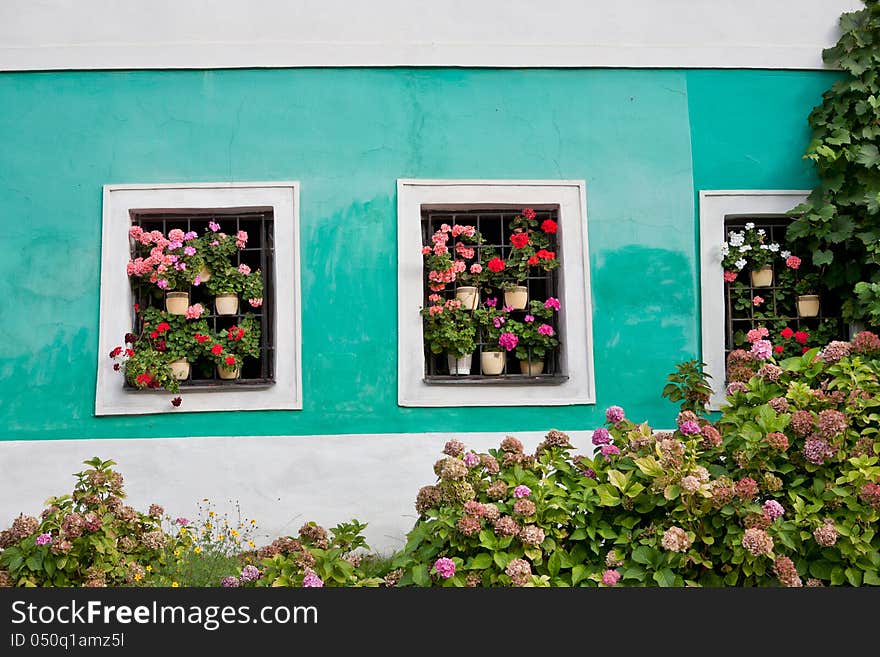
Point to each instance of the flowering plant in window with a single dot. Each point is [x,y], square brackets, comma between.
[532,245]
[492,321]
[144,359]
[229,346]
[449,328]
[535,334]
[452,256]
[161,263]
[747,247]
[237,280]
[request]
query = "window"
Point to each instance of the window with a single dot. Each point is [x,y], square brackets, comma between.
[268,212]
[427,380]
[720,211]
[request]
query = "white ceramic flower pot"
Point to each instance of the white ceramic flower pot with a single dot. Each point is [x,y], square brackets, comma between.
[469,297]
[492,362]
[459,365]
[808,305]
[176,303]
[762,277]
[516,297]
[226,304]
[531,368]
[225,373]
[179,368]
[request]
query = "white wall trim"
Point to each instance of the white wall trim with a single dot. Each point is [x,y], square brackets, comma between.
[166,34]
[576,353]
[715,205]
[116,297]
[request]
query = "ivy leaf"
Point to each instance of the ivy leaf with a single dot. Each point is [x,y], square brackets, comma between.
[841,228]
[822,257]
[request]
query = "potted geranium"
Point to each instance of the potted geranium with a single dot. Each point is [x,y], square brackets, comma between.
[165,265]
[807,290]
[228,347]
[491,321]
[456,262]
[535,335]
[531,246]
[228,282]
[749,247]
[449,328]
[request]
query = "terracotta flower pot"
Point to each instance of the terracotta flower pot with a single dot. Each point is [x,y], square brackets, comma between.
[808,305]
[492,362]
[469,297]
[461,365]
[516,297]
[176,303]
[226,304]
[179,368]
[225,373]
[531,368]
[762,277]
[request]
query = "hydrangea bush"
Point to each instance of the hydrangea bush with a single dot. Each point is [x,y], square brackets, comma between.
[89,538]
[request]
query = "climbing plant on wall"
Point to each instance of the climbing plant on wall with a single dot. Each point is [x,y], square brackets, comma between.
[840,222]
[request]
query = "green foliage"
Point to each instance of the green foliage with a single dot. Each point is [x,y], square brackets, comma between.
[237,341]
[838,223]
[491,321]
[689,384]
[449,328]
[88,538]
[533,343]
[537,250]
[227,279]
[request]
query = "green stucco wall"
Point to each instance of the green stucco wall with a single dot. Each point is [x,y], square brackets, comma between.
[644,140]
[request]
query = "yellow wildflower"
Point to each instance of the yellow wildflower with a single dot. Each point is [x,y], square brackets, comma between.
[174,585]
[138,577]
[176,552]
[210,514]
[252,544]
[197,549]
[234,533]
[149,569]
[183,530]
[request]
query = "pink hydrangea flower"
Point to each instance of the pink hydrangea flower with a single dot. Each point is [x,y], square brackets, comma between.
[601,436]
[522,491]
[762,349]
[43,539]
[182,521]
[614,414]
[689,428]
[445,567]
[609,450]
[773,509]
[471,459]
[312,581]
[610,577]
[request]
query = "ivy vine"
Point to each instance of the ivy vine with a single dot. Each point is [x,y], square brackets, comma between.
[840,221]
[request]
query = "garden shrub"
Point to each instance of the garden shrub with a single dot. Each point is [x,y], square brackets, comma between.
[89,538]
[784,490]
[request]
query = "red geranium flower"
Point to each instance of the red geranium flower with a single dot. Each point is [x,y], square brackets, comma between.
[116,351]
[230,360]
[137,307]
[802,337]
[176,402]
[163,326]
[528,213]
[805,350]
[235,333]
[549,226]
[519,240]
[201,339]
[786,333]
[160,346]
[154,334]
[216,349]
[116,366]
[779,349]
[144,379]
[544,254]
[533,260]
[496,264]
[129,352]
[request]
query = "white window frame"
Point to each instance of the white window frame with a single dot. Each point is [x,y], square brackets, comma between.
[111,398]
[575,317]
[715,207]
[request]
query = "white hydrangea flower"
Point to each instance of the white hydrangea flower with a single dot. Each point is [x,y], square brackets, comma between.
[740,263]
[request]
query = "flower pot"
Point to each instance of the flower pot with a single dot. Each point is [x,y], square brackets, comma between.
[179,368]
[762,277]
[226,304]
[225,373]
[204,274]
[531,368]
[460,365]
[808,305]
[492,362]
[176,303]
[516,297]
[469,297]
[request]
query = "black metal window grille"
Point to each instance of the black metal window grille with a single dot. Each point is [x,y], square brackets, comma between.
[492,224]
[259,253]
[779,300]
